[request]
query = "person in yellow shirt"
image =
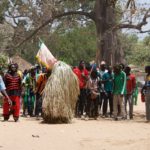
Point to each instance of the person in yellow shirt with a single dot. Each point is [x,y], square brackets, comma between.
[19,72]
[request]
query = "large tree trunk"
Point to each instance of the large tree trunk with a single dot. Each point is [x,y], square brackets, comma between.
[106,38]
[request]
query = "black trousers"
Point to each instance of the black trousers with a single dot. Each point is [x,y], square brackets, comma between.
[92,107]
[38,104]
[81,103]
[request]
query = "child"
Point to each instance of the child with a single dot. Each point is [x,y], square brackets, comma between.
[92,96]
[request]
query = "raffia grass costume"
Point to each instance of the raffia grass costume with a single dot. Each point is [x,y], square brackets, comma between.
[60,94]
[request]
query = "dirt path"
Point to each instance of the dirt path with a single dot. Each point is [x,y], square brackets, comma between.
[102,134]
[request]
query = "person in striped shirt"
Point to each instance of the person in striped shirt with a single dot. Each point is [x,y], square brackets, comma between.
[13,88]
[119,91]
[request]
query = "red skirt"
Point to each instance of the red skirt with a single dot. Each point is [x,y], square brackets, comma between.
[15,108]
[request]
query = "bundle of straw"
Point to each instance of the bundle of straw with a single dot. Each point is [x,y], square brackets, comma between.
[60,94]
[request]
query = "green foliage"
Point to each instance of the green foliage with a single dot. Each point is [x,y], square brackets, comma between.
[76,44]
[3,60]
[70,38]
[128,43]
[70,45]
[147,41]
[29,51]
[137,52]
[3,8]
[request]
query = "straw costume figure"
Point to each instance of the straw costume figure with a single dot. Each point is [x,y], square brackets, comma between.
[60,94]
[61,91]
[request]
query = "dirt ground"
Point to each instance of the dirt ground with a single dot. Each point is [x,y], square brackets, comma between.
[102,134]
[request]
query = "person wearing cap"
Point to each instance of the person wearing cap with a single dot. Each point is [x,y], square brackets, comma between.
[107,79]
[102,101]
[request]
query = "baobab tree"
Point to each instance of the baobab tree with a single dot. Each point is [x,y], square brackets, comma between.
[104,13]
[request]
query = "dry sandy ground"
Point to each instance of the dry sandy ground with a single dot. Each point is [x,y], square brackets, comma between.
[102,134]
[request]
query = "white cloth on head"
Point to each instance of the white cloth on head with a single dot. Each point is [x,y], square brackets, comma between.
[103,63]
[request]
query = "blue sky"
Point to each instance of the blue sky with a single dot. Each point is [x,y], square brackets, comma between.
[141,4]
[146,27]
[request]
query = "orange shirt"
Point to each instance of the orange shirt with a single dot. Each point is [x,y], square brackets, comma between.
[40,84]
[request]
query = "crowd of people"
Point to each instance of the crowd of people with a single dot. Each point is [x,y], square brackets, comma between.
[103,85]
[104,91]
[23,90]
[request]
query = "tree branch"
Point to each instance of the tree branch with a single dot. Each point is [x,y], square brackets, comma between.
[11,16]
[130,3]
[50,20]
[147,31]
[136,26]
[14,17]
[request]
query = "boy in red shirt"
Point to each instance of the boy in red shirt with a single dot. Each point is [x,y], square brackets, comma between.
[130,87]
[82,75]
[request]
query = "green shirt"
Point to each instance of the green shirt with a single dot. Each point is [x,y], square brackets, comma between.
[108,78]
[119,83]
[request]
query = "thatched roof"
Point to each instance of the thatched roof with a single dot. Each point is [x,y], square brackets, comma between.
[23,64]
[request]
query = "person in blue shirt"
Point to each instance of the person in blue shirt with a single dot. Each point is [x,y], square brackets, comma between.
[107,79]
[146,92]
[2,85]
[102,104]
[3,90]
